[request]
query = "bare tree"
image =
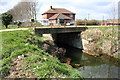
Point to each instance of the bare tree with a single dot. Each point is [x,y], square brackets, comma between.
[119,12]
[24,11]
[113,12]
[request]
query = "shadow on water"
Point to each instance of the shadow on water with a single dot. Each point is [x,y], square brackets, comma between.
[93,67]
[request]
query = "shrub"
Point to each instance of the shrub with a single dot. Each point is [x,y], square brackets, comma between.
[6,19]
[87,22]
[19,23]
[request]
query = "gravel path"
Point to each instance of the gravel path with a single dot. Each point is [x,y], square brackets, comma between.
[14,29]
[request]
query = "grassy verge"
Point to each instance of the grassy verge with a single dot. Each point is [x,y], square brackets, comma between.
[9,27]
[24,59]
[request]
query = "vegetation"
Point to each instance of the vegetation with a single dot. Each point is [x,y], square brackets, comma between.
[21,58]
[87,22]
[6,19]
[9,27]
[21,25]
[102,39]
[0,20]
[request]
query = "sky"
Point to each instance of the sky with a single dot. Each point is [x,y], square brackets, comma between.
[89,9]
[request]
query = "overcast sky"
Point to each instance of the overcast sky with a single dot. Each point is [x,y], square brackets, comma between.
[95,8]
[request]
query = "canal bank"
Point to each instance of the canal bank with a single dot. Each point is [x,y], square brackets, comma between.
[101,40]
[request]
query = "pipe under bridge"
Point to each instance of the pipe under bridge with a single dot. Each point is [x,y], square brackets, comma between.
[69,35]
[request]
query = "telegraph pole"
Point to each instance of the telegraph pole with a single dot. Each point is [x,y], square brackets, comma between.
[88,16]
[103,19]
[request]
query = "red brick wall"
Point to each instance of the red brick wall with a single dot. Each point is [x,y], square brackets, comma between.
[44,16]
[53,22]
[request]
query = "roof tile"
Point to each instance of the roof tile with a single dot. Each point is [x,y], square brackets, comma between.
[58,10]
[59,16]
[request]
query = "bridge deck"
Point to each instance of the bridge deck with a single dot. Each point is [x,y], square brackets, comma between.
[59,30]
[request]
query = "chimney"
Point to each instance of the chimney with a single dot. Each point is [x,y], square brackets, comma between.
[50,7]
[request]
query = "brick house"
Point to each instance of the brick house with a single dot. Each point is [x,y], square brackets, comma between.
[59,16]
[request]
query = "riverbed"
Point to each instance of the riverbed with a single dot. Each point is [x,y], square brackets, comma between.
[93,67]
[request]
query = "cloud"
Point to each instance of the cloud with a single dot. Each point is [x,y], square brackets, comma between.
[96,8]
[5,5]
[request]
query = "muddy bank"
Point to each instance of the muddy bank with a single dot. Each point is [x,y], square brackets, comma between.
[50,47]
[47,44]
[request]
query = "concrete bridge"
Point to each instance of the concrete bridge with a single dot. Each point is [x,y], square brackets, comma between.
[65,35]
[59,30]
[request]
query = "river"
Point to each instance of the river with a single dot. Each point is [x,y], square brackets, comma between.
[93,67]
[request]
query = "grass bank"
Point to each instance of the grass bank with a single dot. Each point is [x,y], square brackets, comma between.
[9,27]
[22,59]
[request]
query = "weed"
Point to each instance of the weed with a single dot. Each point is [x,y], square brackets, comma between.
[4,71]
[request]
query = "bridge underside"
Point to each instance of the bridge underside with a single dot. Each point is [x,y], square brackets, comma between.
[70,35]
[71,39]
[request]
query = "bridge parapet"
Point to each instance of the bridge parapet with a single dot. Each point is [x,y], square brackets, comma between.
[59,30]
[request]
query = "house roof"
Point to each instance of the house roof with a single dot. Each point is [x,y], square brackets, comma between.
[59,16]
[59,10]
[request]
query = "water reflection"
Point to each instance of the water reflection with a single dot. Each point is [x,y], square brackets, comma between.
[94,67]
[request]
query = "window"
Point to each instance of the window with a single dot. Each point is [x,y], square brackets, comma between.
[61,20]
[44,21]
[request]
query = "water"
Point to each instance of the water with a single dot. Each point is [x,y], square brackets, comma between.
[94,67]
